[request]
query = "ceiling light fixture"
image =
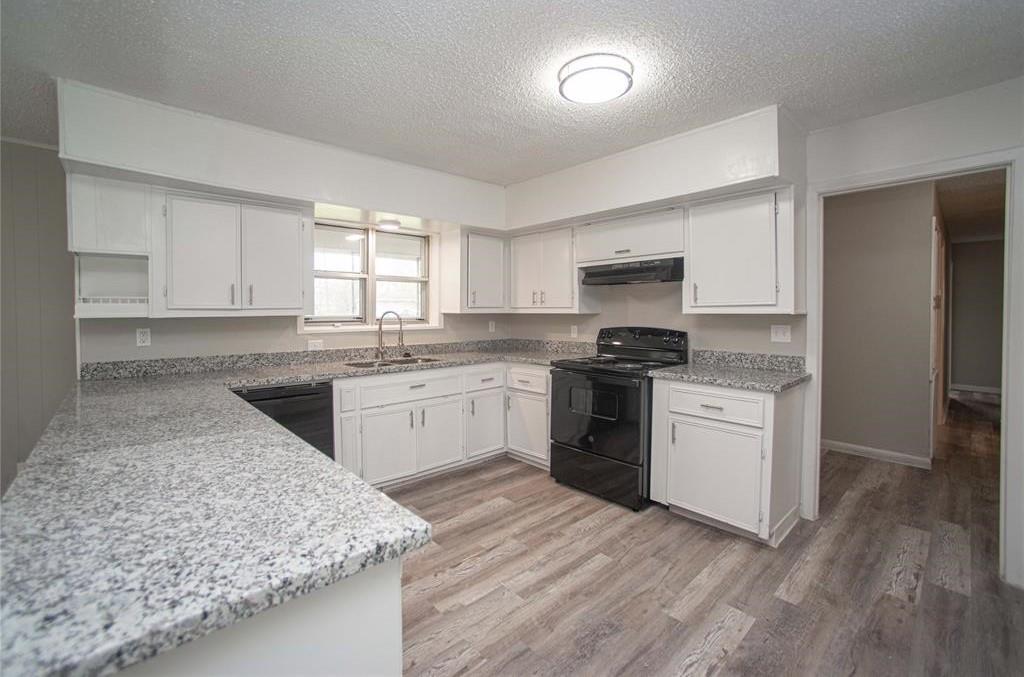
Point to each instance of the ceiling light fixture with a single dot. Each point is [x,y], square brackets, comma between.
[389,224]
[595,78]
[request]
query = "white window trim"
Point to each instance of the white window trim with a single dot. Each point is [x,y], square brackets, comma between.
[435,319]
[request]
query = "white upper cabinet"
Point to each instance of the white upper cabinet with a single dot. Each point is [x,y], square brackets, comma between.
[544,271]
[271,258]
[485,271]
[741,256]
[203,253]
[107,216]
[646,235]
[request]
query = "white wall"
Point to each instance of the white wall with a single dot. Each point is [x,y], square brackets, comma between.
[38,339]
[659,305]
[976,331]
[877,285]
[110,129]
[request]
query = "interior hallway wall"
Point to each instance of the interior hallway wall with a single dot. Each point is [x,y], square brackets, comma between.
[876,319]
[976,331]
[37,326]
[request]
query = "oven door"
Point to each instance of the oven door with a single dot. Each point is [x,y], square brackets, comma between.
[601,414]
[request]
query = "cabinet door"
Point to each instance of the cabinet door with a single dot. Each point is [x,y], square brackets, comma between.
[715,470]
[486,271]
[346,449]
[558,273]
[108,215]
[644,235]
[203,253]
[485,422]
[440,434]
[528,424]
[732,253]
[389,444]
[271,258]
[527,267]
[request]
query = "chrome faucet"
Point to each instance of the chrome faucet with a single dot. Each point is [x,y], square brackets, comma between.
[380,333]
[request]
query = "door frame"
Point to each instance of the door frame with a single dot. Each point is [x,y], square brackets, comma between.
[1011,480]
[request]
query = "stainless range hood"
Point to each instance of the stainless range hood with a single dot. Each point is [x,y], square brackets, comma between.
[635,272]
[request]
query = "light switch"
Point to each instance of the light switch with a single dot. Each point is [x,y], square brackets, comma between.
[142,337]
[574,330]
[782,333]
[315,344]
[490,326]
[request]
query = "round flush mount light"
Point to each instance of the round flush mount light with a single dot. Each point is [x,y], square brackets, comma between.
[389,224]
[595,78]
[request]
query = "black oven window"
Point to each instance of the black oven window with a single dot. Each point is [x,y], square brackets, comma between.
[594,403]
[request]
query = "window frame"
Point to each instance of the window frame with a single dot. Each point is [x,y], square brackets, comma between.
[370,278]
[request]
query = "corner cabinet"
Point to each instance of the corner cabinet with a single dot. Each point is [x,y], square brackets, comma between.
[106,216]
[728,457]
[744,256]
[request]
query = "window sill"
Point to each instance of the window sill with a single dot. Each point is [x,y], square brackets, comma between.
[363,328]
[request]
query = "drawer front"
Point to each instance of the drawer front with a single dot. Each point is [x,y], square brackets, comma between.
[484,379]
[738,408]
[408,390]
[529,380]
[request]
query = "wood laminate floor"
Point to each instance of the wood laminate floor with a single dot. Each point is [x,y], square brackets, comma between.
[897,577]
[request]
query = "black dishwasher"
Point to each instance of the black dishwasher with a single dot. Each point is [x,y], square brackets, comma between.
[303,409]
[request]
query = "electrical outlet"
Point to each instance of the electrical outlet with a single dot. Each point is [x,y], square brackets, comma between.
[142,337]
[490,326]
[781,333]
[574,330]
[315,344]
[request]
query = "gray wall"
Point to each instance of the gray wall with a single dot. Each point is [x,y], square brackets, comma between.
[876,319]
[114,339]
[38,334]
[660,305]
[976,330]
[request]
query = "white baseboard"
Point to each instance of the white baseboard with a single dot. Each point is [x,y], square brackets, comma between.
[975,389]
[900,457]
[528,459]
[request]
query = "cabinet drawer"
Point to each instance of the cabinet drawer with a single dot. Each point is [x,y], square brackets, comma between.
[484,379]
[738,408]
[525,379]
[408,390]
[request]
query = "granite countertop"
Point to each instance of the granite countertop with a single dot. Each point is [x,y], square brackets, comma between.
[156,510]
[728,376]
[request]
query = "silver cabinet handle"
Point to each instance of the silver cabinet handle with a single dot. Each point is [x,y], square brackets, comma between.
[412,421]
[623,251]
[695,293]
[542,297]
[472,297]
[232,293]
[417,385]
[508,402]
[523,381]
[486,380]
[423,417]
[472,407]
[712,406]
[250,293]
[534,298]
[673,432]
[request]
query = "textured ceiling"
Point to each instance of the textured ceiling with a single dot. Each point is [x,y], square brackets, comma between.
[973,204]
[470,87]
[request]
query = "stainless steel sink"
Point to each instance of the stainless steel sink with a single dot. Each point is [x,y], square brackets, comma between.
[412,360]
[370,365]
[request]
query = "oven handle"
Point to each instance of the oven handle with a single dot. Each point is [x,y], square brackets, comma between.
[600,378]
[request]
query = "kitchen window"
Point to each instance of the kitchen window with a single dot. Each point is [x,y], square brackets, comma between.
[357,269]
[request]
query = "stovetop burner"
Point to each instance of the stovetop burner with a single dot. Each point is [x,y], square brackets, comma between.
[631,350]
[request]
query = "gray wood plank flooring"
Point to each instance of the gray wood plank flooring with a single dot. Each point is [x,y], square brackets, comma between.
[898,577]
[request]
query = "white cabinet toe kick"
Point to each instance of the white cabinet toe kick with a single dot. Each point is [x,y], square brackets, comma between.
[394,428]
[728,457]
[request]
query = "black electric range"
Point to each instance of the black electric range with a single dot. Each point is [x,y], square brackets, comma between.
[601,412]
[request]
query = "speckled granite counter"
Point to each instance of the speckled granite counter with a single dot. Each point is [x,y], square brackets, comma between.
[764,380]
[154,511]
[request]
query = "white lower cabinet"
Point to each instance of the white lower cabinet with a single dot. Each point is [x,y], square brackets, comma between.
[485,422]
[439,441]
[389,443]
[528,424]
[728,457]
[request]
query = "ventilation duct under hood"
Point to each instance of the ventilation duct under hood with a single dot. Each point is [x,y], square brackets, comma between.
[635,272]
